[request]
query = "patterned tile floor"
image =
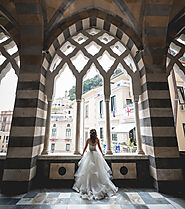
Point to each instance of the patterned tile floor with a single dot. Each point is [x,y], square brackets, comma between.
[68,199]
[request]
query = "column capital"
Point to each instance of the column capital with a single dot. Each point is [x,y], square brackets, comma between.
[136,98]
[107,100]
[78,100]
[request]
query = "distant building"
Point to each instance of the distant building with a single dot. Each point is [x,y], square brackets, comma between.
[5,126]
[5,120]
[121,111]
[180,96]
[61,134]
[4,138]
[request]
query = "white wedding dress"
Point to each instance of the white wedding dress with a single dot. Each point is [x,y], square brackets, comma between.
[92,179]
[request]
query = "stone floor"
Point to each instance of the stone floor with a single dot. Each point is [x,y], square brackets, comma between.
[68,199]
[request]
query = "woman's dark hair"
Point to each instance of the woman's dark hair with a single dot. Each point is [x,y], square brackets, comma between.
[93,135]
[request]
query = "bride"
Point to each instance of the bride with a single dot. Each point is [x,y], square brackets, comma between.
[92,179]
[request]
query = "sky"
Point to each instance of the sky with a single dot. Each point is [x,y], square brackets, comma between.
[8,90]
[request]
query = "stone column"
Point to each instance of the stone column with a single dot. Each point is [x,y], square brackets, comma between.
[107,121]
[77,139]
[47,130]
[138,134]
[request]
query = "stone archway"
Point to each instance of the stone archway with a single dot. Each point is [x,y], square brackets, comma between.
[60,57]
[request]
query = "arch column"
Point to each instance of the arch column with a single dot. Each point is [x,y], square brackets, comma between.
[107,93]
[107,122]
[138,132]
[78,112]
[47,130]
[77,139]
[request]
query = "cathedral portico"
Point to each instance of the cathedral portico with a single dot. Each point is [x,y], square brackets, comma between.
[145,38]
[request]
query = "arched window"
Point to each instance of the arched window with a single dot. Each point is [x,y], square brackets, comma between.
[96,49]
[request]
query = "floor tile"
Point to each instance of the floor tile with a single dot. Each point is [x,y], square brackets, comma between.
[39,198]
[126,198]
[50,200]
[31,194]
[149,200]
[25,201]
[159,206]
[95,206]
[135,198]
[155,195]
[65,195]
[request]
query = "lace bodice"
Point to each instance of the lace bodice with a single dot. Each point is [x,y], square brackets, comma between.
[92,147]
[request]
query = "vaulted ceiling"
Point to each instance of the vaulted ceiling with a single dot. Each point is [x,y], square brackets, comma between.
[55,12]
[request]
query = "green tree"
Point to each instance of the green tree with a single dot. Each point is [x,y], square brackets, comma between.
[91,83]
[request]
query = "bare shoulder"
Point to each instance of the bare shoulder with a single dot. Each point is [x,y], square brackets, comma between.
[97,140]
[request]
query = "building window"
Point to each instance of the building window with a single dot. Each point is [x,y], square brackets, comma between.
[101,133]
[181,95]
[128,101]
[113,105]
[87,111]
[7,138]
[101,108]
[52,147]
[67,147]
[4,119]
[68,132]
[114,137]
[183,128]
[3,128]
[54,133]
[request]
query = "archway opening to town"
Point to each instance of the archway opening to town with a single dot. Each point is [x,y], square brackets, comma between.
[92,105]
[122,120]
[94,55]
[62,113]
[9,69]
[176,82]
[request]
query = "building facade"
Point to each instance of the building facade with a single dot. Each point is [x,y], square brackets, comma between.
[122,118]
[62,127]
[5,125]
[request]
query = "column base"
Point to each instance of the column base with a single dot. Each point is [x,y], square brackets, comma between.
[45,152]
[140,152]
[77,153]
[109,152]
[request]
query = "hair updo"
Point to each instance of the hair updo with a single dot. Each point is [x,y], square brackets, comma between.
[93,135]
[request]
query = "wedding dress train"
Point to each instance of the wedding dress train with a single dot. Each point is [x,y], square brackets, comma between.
[92,179]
